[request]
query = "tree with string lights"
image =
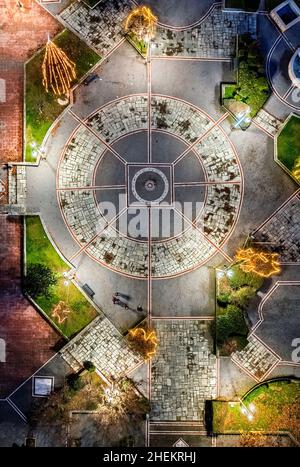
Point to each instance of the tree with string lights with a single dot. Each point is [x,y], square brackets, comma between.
[261,263]
[58,70]
[142,23]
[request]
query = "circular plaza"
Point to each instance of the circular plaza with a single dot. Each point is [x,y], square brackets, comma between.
[135,176]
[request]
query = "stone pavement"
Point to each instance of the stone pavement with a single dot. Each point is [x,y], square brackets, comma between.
[268,122]
[101,27]
[30,340]
[103,345]
[256,359]
[281,233]
[124,117]
[215,37]
[17,185]
[184,372]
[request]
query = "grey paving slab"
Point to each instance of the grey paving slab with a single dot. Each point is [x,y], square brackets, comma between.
[188,295]
[194,81]
[181,13]
[262,177]
[123,73]
[103,345]
[280,326]
[183,372]
[281,232]
[214,37]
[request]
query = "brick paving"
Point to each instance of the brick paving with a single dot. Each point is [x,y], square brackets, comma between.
[29,338]
[184,372]
[21,33]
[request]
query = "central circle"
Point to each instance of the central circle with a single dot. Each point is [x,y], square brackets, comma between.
[150,185]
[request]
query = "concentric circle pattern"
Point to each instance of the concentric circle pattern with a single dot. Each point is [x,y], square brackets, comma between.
[205,173]
[150,186]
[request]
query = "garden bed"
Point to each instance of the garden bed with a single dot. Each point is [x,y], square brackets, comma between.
[288,145]
[234,289]
[42,108]
[139,45]
[275,407]
[251,90]
[79,311]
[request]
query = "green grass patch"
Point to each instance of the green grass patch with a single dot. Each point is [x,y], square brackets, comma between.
[246,5]
[276,407]
[42,108]
[228,91]
[140,45]
[40,250]
[288,143]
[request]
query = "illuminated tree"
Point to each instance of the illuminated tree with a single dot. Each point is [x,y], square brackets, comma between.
[144,341]
[58,70]
[142,23]
[261,263]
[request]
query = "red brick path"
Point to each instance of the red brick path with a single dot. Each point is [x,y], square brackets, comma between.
[29,338]
[21,34]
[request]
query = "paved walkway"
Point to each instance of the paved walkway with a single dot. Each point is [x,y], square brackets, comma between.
[256,359]
[103,345]
[183,371]
[215,37]
[281,233]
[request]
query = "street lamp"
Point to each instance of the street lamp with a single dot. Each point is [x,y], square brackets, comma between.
[248,411]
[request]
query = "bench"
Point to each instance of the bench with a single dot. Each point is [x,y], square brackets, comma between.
[86,288]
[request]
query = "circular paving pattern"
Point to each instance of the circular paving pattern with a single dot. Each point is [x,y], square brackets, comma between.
[150,186]
[178,195]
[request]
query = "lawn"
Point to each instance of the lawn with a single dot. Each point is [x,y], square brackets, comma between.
[247,5]
[288,143]
[276,407]
[40,250]
[42,108]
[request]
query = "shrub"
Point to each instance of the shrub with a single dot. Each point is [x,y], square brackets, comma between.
[89,366]
[240,279]
[242,296]
[75,382]
[39,280]
[223,299]
[230,323]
